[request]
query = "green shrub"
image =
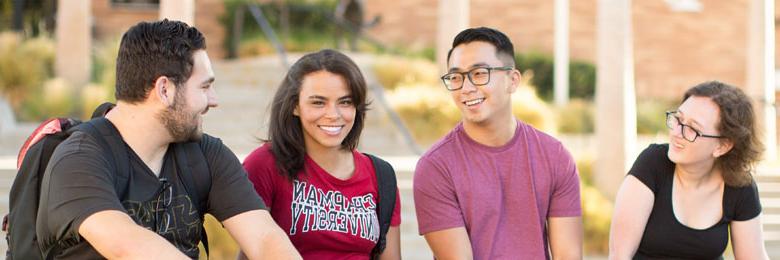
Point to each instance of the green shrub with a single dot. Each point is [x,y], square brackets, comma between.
[596,211]
[92,96]
[596,218]
[427,111]
[104,67]
[651,117]
[582,75]
[24,66]
[310,28]
[56,98]
[392,71]
[585,168]
[577,117]
[532,110]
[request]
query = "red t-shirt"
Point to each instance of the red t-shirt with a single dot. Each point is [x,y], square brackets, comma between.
[325,217]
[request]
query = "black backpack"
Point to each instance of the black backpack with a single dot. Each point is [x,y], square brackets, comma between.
[387,188]
[19,223]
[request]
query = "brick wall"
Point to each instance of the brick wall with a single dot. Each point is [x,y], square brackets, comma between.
[672,50]
[112,21]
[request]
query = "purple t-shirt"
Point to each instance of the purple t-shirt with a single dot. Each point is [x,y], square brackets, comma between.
[501,195]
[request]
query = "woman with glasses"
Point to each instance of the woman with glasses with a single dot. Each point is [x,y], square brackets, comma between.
[681,199]
[318,187]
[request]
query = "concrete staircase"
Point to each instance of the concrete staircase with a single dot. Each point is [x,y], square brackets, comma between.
[769,192]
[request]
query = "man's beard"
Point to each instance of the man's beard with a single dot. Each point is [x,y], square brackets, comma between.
[181,125]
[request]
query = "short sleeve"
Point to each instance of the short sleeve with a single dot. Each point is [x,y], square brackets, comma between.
[231,192]
[565,200]
[260,165]
[77,183]
[396,219]
[647,165]
[748,205]
[435,200]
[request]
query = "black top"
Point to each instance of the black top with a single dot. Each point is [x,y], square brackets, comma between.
[665,237]
[79,182]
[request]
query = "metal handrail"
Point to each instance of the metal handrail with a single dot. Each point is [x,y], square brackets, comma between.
[257,13]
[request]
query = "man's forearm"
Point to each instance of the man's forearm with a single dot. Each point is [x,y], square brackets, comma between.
[259,237]
[115,236]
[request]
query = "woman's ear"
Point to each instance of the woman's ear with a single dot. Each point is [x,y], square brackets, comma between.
[724,146]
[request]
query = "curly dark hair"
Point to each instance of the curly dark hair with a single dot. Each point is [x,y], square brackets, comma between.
[285,132]
[737,123]
[150,50]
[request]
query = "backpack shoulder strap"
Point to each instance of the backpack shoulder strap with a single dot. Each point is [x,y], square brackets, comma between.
[197,182]
[108,138]
[387,188]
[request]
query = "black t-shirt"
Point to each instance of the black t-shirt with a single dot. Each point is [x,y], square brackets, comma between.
[665,237]
[79,181]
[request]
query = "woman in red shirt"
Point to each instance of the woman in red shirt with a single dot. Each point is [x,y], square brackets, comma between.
[318,187]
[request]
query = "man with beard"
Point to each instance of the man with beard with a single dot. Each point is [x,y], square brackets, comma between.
[164,84]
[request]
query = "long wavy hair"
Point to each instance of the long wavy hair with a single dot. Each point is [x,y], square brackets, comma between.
[737,123]
[285,133]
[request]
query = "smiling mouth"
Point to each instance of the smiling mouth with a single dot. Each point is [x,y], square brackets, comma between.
[474,102]
[331,129]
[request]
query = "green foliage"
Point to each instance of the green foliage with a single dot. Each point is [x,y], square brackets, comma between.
[596,218]
[309,24]
[532,110]
[56,98]
[299,41]
[103,73]
[392,71]
[577,117]
[24,66]
[596,211]
[37,16]
[26,71]
[650,116]
[582,75]
[426,110]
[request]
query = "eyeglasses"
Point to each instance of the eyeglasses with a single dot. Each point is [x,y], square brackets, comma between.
[478,77]
[164,199]
[688,133]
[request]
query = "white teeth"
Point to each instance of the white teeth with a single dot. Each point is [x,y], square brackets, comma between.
[474,101]
[333,129]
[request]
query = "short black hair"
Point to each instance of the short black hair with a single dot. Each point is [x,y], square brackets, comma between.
[150,50]
[504,49]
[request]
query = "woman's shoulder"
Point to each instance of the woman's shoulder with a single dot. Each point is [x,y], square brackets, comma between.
[261,152]
[654,156]
[261,157]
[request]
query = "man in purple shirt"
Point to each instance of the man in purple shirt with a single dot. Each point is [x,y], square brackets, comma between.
[495,187]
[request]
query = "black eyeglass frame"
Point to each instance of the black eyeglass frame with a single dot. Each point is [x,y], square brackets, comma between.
[673,113]
[467,74]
